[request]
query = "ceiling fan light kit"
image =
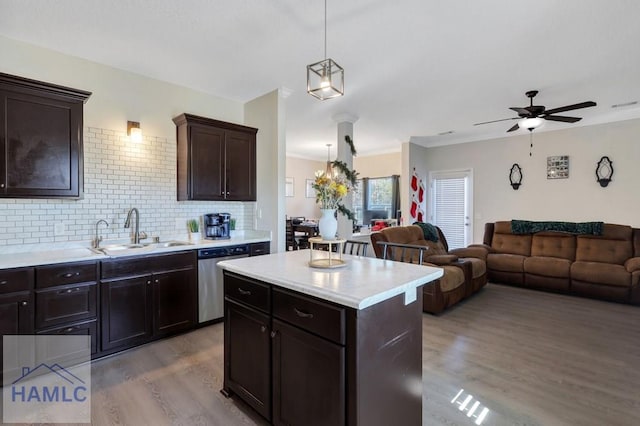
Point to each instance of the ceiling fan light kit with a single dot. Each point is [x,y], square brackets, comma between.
[325,79]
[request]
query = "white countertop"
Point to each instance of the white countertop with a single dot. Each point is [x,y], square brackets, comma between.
[363,282]
[49,253]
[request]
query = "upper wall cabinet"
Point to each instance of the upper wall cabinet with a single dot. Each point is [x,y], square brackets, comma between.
[40,139]
[216,160]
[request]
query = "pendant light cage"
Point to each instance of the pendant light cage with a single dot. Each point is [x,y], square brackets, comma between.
[325,79]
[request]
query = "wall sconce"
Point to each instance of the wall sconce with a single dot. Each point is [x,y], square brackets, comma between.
[604,171]
[134,131]
[515,176]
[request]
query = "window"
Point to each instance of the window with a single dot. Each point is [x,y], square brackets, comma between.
[376,198]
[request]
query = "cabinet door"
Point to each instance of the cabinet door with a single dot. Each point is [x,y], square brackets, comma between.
[175,301]
[240,173]
[16,317]
[41,138]
[308,378]
[247,356]
[207,164]
[125,313]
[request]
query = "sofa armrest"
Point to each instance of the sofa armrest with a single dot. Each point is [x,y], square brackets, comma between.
[632,264]
[441,259]
[486,247]
[478,251]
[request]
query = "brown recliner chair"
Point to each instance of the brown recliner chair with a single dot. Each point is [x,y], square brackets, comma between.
[462,275]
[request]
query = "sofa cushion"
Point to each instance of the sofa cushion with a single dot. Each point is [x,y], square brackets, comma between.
[505,262]
[554,244]
[614,246]
[452,278]
[512,244]
[547,266]
[601,273]
[478,266]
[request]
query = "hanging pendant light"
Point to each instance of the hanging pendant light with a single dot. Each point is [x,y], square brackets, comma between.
[329,170]
[325,79]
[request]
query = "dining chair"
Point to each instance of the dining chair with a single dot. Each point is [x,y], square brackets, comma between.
[355,247]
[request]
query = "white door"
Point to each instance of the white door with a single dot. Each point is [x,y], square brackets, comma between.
[451,207]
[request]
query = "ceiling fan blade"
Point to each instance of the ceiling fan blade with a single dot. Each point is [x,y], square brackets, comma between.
[521,111]
[562,118]
[515,127]
[495,121]
[571,107]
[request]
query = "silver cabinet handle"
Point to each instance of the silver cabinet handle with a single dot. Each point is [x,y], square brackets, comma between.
[263,328]
[244,292]
[70,274]
[302,314]
[3,282]
[24,303]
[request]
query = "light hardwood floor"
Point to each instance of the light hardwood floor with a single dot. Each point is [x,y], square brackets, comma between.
[530,358]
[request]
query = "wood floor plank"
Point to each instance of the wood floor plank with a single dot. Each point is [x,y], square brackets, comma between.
[530,358]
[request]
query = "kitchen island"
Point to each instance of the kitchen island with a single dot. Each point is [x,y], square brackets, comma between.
[308,346]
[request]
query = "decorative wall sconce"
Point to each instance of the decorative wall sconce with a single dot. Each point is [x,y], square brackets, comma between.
[134,131]
[515,176]
[604,171]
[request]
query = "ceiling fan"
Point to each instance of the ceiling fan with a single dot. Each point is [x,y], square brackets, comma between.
[531,116]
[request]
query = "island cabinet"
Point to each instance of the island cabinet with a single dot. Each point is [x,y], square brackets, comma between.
[301,360]
[147,297]
[66,300]
[40,139]
[216,160]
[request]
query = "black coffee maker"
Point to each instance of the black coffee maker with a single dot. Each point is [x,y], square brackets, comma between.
[216,226]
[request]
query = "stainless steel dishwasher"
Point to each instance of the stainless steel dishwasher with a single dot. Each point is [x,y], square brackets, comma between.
[210,289]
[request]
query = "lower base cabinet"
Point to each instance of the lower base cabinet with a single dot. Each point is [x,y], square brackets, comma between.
[301,361]
[248,374]
[147,297]
[308,378]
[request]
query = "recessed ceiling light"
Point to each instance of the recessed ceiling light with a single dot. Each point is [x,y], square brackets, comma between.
[624,104]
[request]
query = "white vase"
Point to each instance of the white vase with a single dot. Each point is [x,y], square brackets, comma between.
[195,237]
[328,224]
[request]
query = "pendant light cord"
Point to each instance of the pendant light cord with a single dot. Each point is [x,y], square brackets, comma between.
[325,29]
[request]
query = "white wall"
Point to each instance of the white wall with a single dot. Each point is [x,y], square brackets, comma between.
[119,175]
[267,114]
[378,165]
[300,170]
[578,198]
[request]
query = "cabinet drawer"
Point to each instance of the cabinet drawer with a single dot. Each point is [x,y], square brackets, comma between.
[247,291]
[320,318]
[258,249]
[12,280]
[143,265]
[87,328]
[66,273]
[65,304]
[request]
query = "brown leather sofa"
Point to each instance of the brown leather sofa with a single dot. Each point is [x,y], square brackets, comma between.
[604,267]
[464,269]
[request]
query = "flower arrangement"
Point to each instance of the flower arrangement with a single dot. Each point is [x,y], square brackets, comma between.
[331,189]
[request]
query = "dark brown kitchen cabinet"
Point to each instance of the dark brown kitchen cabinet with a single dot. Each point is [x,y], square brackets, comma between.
[125,320]
[249,374]
[323,363]
[66,300]
[41,153]
[16,306]
[316,397]
[216,159]
[147,297]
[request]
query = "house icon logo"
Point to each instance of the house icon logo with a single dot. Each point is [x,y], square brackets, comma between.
[61,385]
[46,379]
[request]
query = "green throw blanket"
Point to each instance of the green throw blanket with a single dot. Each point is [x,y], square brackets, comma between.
[430,232]
[528,227]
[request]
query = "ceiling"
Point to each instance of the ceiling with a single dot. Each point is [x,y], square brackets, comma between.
[414,69]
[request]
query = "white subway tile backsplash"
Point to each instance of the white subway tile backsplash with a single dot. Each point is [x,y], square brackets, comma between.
[118,175]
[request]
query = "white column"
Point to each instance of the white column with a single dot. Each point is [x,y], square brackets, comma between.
[345,128]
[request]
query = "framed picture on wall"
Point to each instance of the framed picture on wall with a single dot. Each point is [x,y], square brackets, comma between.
[308,189]
[558,167]
[288,187]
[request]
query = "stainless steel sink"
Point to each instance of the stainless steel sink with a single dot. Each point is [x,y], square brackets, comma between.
[131,249]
